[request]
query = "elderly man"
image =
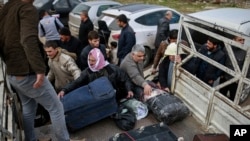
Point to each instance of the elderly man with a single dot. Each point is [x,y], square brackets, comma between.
[133,66]
[163,29]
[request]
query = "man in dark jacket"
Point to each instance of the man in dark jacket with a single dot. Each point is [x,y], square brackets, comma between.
[25,67]
[85,27]
[207,72]
[163,29]
[71,44]
[127,38]
[94,42]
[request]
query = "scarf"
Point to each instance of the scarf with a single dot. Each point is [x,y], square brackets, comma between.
[100,61]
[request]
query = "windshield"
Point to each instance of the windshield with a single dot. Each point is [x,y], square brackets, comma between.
[39,3]
[79,8]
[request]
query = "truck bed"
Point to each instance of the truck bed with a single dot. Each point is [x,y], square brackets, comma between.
[106,128]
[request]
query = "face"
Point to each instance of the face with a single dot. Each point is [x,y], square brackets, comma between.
[210,46]
[83,17]
[92,60]
[239,39]
[94,43]
[138,56]
[119,23]
[51,52]
[64,38]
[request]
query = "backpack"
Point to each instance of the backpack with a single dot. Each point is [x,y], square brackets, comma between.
[125,118]
[140,109]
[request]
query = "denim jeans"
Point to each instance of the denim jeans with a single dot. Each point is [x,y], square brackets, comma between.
[47,97]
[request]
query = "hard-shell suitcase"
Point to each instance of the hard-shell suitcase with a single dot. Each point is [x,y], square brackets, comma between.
[89,104]
[156,132]
[210,137]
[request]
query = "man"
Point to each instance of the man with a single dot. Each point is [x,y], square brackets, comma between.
[63,68]
[49,26]
[85,27]
[127,38]
[207,72]
[132,64]
[163,29]
[163,46]
[71,44]
[94,42]
[26,69]
[240,58]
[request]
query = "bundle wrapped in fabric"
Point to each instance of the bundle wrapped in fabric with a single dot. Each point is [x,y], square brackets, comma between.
[167,107]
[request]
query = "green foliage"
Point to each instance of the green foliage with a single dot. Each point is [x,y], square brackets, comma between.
[184,6]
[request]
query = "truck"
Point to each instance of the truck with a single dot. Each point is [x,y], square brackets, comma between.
[210,111]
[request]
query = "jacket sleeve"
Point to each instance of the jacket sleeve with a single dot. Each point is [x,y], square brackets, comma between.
[164,29]
[80,81]
[51,76]
[71,67]
[29,38]
[134,73]
[159,54]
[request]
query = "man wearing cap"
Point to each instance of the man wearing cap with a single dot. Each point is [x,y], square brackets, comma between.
[166,66]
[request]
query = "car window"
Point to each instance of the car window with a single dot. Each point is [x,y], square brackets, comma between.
[150,19]
[79,8]
[175,18]
[74,3]
[60,4]
[39,3]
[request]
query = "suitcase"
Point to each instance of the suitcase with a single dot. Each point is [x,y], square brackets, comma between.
[210,137]
[156,132]
[89,104]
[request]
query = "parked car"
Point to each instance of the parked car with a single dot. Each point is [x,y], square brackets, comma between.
[231,18]
[94,9]
[59,7]
[143,18]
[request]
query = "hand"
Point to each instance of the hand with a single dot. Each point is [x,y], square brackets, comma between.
[39,80]
[61,94]
[147,89]
[166,89]
[130,94]
[211,82]
[177,58]
[153,71]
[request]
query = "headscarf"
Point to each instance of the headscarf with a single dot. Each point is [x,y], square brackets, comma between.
[100,61]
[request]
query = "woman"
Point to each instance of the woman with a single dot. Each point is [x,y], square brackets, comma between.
[98,67]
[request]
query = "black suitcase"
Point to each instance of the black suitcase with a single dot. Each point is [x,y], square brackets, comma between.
[156,132]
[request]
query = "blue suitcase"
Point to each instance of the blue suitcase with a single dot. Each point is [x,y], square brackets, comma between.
[89,104]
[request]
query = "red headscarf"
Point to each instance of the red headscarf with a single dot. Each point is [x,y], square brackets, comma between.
[100,61]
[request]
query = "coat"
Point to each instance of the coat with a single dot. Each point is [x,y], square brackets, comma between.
[63,69]
[20,51]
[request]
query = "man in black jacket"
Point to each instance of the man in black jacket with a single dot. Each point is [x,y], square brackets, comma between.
[127,38]
[85,27]
[163,29]
[71,44]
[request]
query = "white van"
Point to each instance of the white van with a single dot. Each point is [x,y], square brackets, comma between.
[237,19]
